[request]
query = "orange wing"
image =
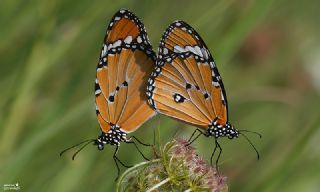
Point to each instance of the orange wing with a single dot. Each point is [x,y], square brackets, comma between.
[186,84]
[125,64]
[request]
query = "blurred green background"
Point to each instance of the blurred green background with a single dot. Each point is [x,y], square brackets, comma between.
[268,53]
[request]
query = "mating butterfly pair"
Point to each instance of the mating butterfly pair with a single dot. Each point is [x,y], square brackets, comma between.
[133,84]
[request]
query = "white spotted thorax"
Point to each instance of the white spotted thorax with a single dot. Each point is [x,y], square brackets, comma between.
[216,130]
[113,137]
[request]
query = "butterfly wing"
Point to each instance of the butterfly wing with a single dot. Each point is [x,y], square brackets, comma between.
[186,84]
[125,64]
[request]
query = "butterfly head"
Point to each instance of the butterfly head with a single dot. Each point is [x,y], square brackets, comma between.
[99,143]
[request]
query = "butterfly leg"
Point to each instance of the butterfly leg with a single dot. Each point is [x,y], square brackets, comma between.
[190,141]
[140,141]
[192,135]
[212,155]
[220,151]
[132,142]
[116,160]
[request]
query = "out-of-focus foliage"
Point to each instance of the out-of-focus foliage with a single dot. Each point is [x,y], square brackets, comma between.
[268,53]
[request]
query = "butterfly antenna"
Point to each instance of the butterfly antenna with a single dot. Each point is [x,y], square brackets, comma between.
[258,155]
[251,132]
[76,145]
[88,142]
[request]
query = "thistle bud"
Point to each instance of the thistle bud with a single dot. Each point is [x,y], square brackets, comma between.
[179,168]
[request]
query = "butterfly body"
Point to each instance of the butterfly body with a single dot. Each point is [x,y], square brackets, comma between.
[114,137]
[216,130]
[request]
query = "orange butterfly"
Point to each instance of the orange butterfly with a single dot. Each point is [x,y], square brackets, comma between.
[187,86]
[125,63]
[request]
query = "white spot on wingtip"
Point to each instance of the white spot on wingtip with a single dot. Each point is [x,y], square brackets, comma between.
[109,46]
[116,44]
[139,40]
[222,97]
[104,50]
[205,53]
[128,40]
[178,49]
[215,83]
[196,50]
[165,51]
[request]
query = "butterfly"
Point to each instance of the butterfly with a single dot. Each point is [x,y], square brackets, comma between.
[125,63]
[187,86]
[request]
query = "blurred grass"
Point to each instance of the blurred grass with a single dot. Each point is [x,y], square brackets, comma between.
[265,53]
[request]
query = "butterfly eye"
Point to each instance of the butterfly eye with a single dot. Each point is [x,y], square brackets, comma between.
[100,147]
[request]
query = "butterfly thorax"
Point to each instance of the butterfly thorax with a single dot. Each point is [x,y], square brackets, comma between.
[216,130]
[113,137]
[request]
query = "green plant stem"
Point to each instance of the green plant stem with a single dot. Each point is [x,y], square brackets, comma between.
[158,132]
[136,167]
[158,185]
